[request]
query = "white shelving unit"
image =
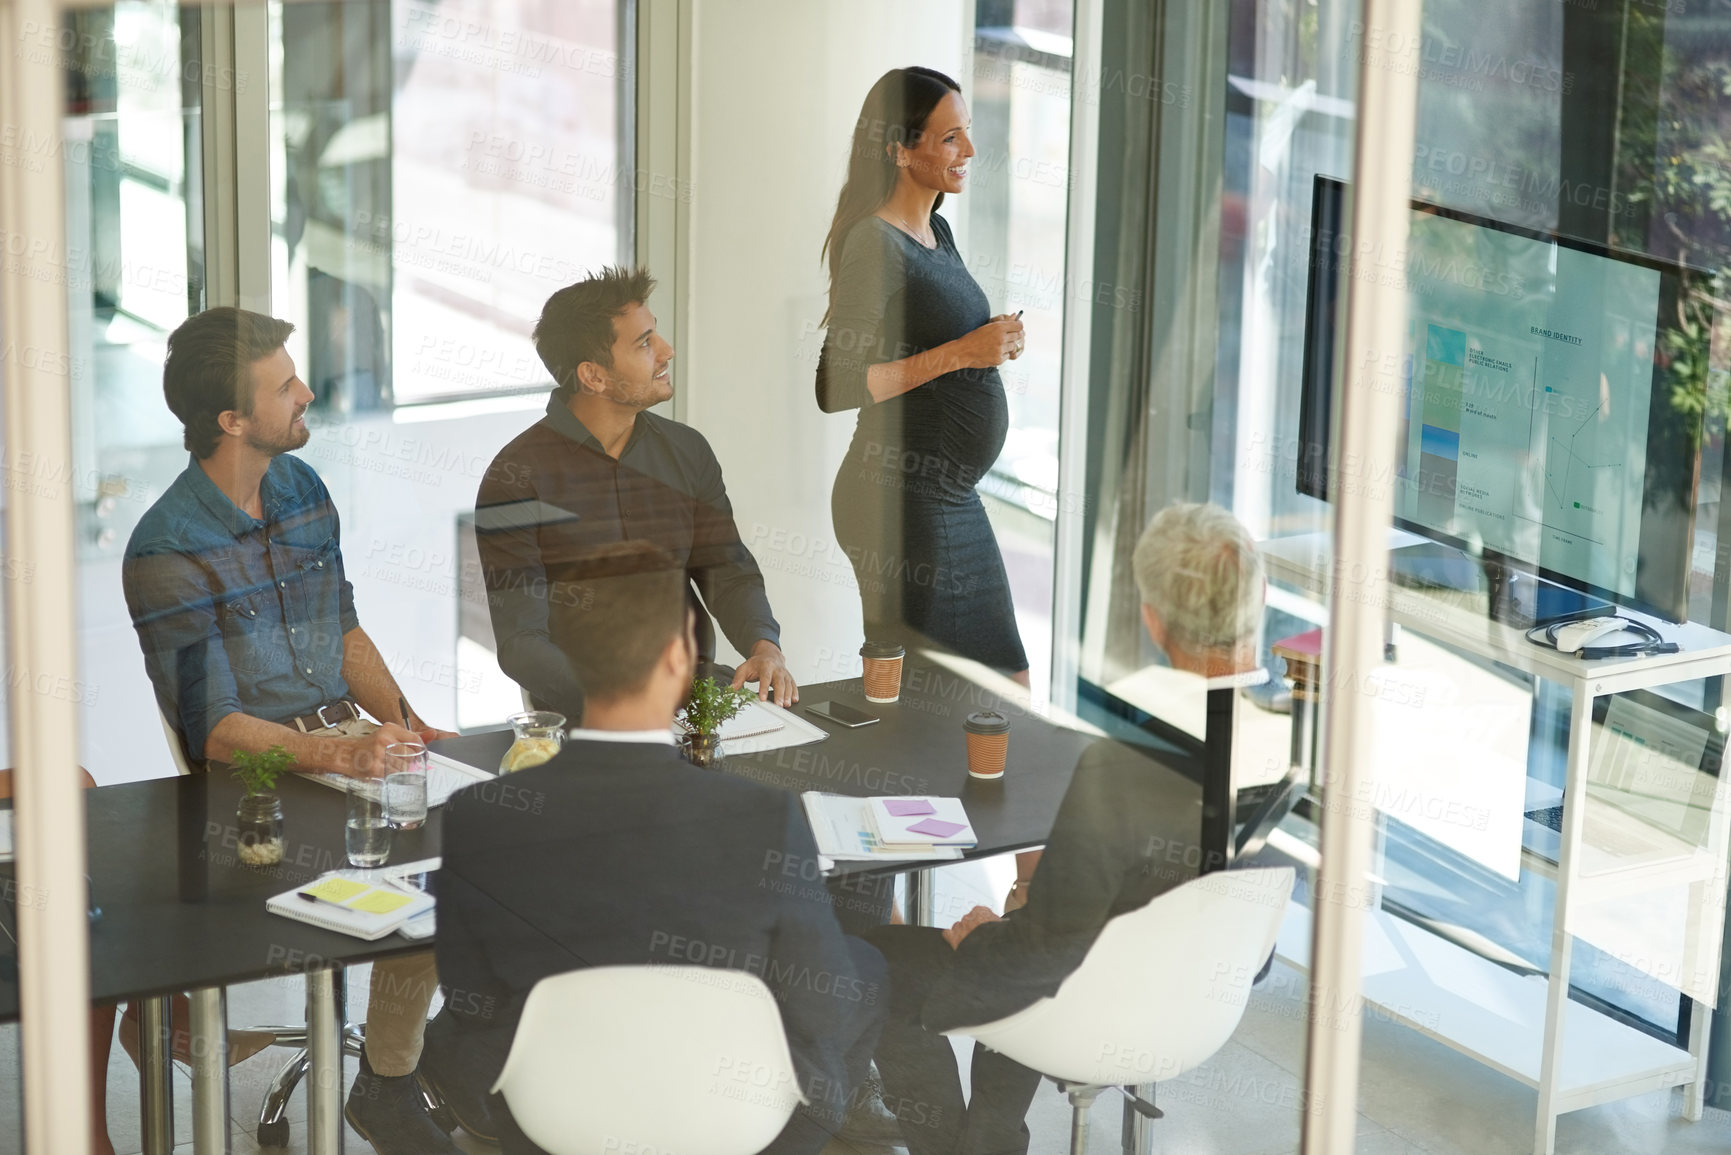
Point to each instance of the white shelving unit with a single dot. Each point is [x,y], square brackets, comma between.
[1527,1027]
[1496,1016]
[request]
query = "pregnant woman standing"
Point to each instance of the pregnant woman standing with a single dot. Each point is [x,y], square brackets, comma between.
[913,345]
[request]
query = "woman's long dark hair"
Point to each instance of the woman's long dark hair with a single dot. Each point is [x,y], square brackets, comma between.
[895,112]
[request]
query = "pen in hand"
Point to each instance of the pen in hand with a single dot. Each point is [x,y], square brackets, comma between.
[403,708]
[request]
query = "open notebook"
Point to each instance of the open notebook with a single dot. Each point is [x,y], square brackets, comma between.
[445,776]
[764,726]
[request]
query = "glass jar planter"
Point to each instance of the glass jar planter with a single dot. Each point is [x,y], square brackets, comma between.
[259,818]
[702,750]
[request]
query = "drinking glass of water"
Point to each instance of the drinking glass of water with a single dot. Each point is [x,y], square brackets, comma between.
[368,834]
[406,784]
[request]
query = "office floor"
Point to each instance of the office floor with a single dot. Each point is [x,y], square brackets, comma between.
[1416,1096]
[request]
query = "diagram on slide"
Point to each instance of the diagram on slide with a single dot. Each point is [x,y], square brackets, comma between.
[1575,470]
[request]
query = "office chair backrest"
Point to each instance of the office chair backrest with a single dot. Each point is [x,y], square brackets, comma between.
[176,744]
[681,1059]
[1161,990]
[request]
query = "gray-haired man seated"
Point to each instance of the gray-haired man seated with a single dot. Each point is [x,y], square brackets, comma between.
[1127,831]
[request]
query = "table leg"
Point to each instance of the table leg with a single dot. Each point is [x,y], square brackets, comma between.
[155,1084]
[325,1051]
[1575,804]
[920,906]
[1695,1094]
[209,1030]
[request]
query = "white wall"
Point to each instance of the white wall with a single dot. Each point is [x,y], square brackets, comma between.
[777,88]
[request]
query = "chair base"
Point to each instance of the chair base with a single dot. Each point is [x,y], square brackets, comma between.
[1139,1112]
[273,1126]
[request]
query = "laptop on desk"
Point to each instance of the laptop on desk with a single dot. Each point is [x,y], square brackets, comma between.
[1652,786]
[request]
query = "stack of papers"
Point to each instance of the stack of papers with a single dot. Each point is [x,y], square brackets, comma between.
[846,829]
[919,823]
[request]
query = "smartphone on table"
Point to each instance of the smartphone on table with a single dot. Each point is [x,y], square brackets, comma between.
[840,714]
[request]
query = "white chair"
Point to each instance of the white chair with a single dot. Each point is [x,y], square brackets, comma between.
[1159,992]
[176,745]
[684,1059]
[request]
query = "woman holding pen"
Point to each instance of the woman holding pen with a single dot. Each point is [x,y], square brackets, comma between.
[913,345]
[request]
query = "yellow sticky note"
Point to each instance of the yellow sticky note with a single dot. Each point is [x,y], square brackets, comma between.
[379,902]
[337,890]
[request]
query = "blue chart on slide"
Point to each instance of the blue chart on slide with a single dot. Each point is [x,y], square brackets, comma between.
[1531,382]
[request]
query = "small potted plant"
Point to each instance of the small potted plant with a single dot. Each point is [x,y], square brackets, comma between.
[259,814]
[709,704]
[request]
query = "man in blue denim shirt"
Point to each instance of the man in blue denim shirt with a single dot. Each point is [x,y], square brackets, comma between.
[234,579]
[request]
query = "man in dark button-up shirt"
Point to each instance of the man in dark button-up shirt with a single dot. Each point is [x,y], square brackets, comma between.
[234,579]
[598,469]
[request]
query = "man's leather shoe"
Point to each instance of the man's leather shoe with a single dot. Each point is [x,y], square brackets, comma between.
[388,1112]
[868,1120]
[464,1095]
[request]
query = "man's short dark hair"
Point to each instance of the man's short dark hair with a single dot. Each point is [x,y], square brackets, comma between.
[612,613]
[209,369]
[576,323]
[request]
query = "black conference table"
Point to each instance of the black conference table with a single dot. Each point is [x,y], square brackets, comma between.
[180,913]
[917,748]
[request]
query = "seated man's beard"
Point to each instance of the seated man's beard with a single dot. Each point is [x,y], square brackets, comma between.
[290,438]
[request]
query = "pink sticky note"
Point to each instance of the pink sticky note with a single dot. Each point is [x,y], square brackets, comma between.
[936,827]
[908,807]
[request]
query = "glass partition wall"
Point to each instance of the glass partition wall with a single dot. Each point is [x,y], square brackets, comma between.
[1558,388]
[436,170]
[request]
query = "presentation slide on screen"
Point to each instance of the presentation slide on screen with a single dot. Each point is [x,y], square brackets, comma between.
[1531,374]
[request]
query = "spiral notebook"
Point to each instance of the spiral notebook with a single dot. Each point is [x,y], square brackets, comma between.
[366,910]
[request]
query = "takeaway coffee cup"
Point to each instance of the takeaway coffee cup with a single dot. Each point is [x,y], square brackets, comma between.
[988,742]
[883,671]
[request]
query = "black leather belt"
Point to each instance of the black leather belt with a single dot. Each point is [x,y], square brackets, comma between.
[330,714]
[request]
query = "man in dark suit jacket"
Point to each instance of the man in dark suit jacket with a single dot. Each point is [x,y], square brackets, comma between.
[617,852]
[1128,830]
